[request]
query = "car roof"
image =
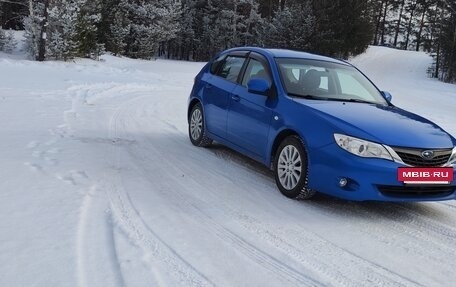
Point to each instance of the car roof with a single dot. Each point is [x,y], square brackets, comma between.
[283,53]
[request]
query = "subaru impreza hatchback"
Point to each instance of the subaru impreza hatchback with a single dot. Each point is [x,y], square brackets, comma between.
[321,126]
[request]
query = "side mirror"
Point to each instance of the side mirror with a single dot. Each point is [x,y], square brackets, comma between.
[388,97]
[258,86]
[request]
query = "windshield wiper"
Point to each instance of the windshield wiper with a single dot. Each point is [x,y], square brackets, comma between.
[355,101]
[312,97]
[309,97]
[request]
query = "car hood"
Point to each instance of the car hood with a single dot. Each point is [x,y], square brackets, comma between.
[384,124]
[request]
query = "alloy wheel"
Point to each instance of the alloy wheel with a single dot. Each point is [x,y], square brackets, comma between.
[196,124]
[289,167]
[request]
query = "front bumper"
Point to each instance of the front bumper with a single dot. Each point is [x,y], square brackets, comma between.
[368,178]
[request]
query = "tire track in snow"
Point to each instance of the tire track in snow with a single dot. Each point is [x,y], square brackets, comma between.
[408,214]
[94,223]
[375,273]
[423,220]
[323,251]
[120,213]
[398,223]
[316,257]
[450,206]
[132,224]
[260,257]
[371,212]
[431,224]
[393,274]
[445,234]
[127,218]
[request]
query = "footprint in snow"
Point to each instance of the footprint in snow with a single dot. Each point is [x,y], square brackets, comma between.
[51,161]
[33,144]
[74,177]
[53,151]
[34,166]
[37,154]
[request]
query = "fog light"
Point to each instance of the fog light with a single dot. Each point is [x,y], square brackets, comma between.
[343,182]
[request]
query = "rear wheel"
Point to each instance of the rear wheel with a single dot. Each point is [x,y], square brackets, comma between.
[291,169]
[196,127]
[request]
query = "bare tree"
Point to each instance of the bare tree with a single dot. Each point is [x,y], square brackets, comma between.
[398,24]
[411,8]
[42,40]
[424,7]
[385,11]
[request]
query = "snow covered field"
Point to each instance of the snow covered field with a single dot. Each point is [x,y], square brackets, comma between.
[100,186]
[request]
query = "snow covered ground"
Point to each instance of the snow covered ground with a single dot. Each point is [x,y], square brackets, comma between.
[100,186]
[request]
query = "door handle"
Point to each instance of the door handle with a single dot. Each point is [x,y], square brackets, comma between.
[235,98]
[208,86]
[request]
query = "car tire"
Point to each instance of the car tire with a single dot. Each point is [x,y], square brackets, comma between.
[291,169]
[197,127]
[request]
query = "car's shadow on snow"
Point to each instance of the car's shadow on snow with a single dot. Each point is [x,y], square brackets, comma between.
[371,210]
[228,154]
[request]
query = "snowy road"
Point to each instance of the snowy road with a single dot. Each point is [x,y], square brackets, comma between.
[100,186]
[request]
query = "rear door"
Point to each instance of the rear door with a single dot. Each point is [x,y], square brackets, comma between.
[250,115]
[219,84]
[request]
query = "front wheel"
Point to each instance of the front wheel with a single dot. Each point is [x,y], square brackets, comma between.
[196,127]
[291,169]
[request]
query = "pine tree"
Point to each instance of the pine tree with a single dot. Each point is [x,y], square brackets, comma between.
[86,35]
[343,28]
[203,49]
[11,13]
[182,47]
[222,24]
[63,17]
[447,42]
[33,25]
[9,43]
[411,10]
[151,22]
[423,9]
[219,26]
[398,24]
[291,28]
[249,23]
[2,39]
[118,33]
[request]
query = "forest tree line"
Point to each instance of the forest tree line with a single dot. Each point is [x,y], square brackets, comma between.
[198,29]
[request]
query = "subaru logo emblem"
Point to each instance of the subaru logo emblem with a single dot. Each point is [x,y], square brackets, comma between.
[427,154]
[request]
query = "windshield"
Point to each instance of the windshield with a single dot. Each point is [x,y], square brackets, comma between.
[320,80]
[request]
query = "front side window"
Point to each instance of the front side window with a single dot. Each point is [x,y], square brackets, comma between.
[255,70]
[323,80]
[231,68]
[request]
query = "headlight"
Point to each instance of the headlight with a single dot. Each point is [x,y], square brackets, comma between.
[452,160]
[361,147]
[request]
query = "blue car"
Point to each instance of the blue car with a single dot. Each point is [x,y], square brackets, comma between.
[322,126]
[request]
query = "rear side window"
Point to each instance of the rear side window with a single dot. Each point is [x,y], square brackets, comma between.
[216,64]
[231,68]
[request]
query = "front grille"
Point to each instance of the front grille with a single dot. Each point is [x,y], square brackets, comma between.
[412,190]
[413,157]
